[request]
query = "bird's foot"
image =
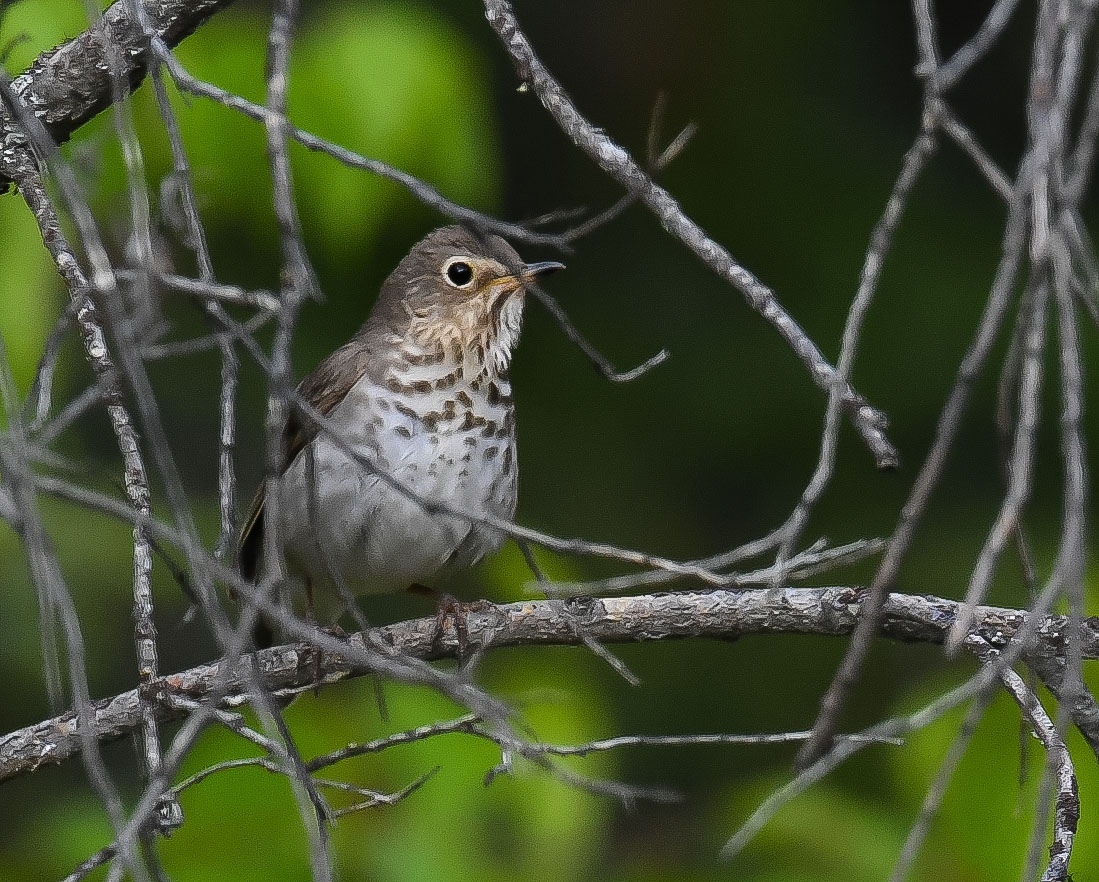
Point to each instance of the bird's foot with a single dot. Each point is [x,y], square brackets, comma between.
[452,608]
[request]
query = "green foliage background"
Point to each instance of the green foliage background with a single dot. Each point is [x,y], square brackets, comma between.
[804,111]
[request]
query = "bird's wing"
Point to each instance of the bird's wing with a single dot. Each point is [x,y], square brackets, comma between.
[324,388]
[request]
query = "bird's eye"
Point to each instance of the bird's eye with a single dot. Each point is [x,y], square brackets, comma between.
[459,273]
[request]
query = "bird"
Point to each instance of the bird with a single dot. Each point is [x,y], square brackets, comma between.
[421,401]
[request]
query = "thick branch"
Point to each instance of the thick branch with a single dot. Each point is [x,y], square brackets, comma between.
[69,84]
[715,614]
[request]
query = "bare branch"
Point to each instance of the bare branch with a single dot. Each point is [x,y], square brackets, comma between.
[603,744]
[1045,242]
[617,163]
[803,565]
[881,241]
[105,854]
[965,139]
[951,71]
[421,190]
[840,753]
[1022,459]
[598,360]
[262,300]
[68,85]
[716,614]
[1067,812]
[930,472]
[933,798]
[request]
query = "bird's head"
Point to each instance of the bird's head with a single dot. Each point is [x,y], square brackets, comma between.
[462,290]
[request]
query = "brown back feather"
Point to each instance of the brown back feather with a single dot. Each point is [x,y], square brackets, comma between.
[324,388]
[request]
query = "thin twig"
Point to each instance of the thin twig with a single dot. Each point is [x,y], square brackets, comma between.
[263,300]
[839,754]
[604,744]
[299,283]
[816,559]
[598,360]
[57,601]
[145,634]
[950,72]
[881,241]
[1067,813]
[421,190]
[1022,460]
[928,478]
[617,163]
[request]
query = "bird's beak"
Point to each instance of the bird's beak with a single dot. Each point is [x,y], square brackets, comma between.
[528,272]
[532,270]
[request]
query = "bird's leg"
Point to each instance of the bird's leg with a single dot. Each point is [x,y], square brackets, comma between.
[448,606]
[316,653]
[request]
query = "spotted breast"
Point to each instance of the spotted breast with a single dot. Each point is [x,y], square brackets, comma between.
[420,440]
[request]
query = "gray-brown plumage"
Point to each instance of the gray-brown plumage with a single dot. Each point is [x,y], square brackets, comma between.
[422,392]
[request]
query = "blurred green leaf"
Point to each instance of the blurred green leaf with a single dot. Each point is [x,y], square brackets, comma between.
[400,84]
[30,292]
[44,23]
[826,835]
[987,815]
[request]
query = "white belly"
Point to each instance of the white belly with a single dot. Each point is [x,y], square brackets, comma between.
[344,527]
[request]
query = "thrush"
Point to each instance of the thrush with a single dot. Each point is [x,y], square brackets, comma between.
[422,405]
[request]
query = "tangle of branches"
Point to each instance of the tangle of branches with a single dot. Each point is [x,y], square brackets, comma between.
[1045,282]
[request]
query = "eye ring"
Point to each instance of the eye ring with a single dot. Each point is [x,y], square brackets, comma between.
[458,273]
